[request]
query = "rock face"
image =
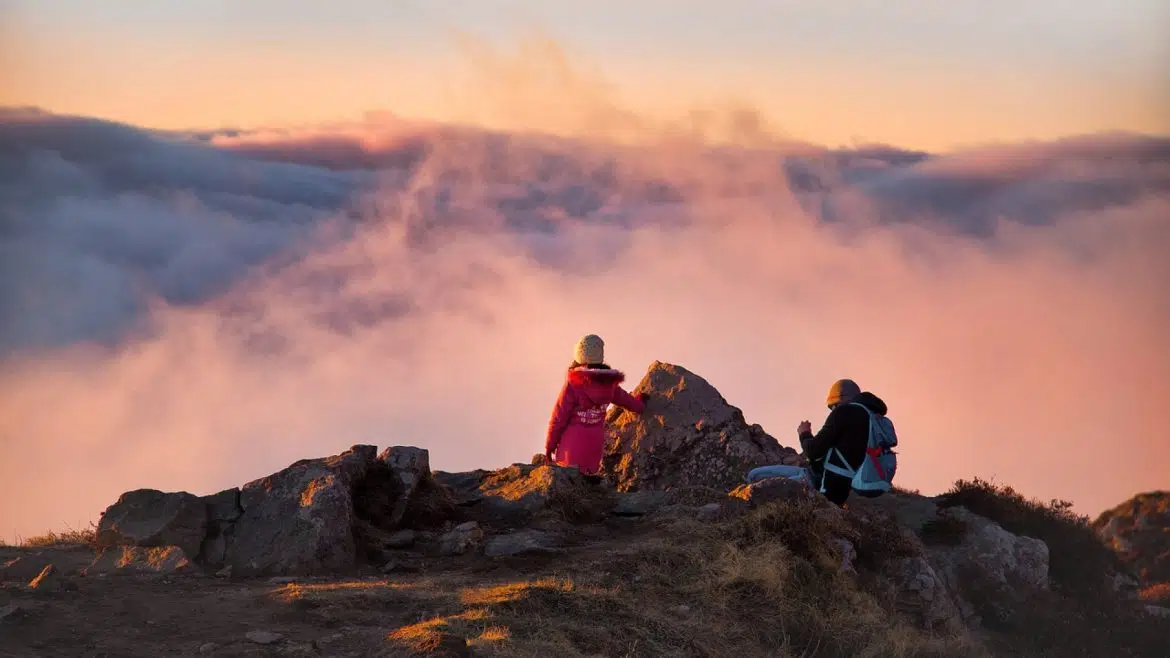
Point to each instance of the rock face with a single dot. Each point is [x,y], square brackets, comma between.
[322,515]
[1138,530]
[513,495]
[772,489]
[147,517]
[977,561]
[300,520]
[688,435]
[134,559]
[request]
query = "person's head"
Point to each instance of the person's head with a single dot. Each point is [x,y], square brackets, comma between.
[590,351]
[841,392]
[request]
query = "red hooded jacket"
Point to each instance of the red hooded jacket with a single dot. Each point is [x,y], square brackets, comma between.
[576,431]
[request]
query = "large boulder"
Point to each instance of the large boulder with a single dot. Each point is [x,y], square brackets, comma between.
[148,518]
[980,567]
[515,494]
[300,520]
[688,435]
[1138,530]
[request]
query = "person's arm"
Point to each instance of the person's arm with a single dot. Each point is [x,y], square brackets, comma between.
[626,401]
[562,411]
[817,446]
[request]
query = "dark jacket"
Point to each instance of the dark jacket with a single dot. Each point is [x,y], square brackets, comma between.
[847,429]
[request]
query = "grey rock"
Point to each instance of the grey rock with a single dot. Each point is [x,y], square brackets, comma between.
[411,466]
[401,539]
[523,541]
[460,539]
[148,517]
[772,489]
[688,435]
[137,559]
[639,503]
[300,520]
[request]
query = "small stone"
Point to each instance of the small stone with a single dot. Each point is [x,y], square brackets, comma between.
[49,579]
[225,572]
[709,512]
[264,637]
[11,611]
[682,609]
[400,539]
[208,647]
[282,580]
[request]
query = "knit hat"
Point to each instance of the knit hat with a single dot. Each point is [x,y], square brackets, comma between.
[590,351]
[843,390]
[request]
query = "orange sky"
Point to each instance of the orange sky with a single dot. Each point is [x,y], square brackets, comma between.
[195,71]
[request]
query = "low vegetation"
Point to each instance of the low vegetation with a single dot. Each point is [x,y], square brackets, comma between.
[1082,615]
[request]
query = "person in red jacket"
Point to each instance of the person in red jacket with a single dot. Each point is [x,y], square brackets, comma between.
[576,430]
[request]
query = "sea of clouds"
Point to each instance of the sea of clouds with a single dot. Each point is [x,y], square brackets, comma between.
[189,311]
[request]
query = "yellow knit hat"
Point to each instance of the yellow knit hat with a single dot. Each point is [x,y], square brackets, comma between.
[590,351]
[842,390]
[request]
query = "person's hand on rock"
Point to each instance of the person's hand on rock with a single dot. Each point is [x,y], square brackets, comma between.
[804,426]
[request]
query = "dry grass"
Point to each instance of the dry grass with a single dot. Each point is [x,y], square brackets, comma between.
[764,584]
[70,537]
[1158,594]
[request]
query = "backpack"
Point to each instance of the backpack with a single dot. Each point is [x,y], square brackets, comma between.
[876,475]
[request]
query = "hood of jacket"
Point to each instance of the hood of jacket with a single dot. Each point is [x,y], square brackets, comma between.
[871,402]
[596,376]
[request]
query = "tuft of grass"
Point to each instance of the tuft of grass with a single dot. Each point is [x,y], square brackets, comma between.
[1158,594]
[71,537]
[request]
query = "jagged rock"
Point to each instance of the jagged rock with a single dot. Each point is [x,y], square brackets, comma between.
[639,503]
[223,510]
[523,541]
[300,520]
[772,489]
[148,517]
[1138,530]
[513,495]
[688,435]
[461,538]
[137,559]
[921,595]
[411,466]
[1000,557]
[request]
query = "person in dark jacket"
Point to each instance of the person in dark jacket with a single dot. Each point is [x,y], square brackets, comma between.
[846,429]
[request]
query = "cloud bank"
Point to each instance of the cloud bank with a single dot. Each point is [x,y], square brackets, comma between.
[193,311]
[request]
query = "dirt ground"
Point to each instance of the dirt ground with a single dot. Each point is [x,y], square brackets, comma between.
[451,606]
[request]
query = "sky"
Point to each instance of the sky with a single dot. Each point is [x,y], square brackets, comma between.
[914,73]
[234,237]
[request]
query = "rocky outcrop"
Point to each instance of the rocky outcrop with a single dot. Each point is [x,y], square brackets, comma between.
[148,517]
[772,489]
[301,519]
[134,559]
[965,565]
[687,435]
[517,493]
[1138,530]
[316,516]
